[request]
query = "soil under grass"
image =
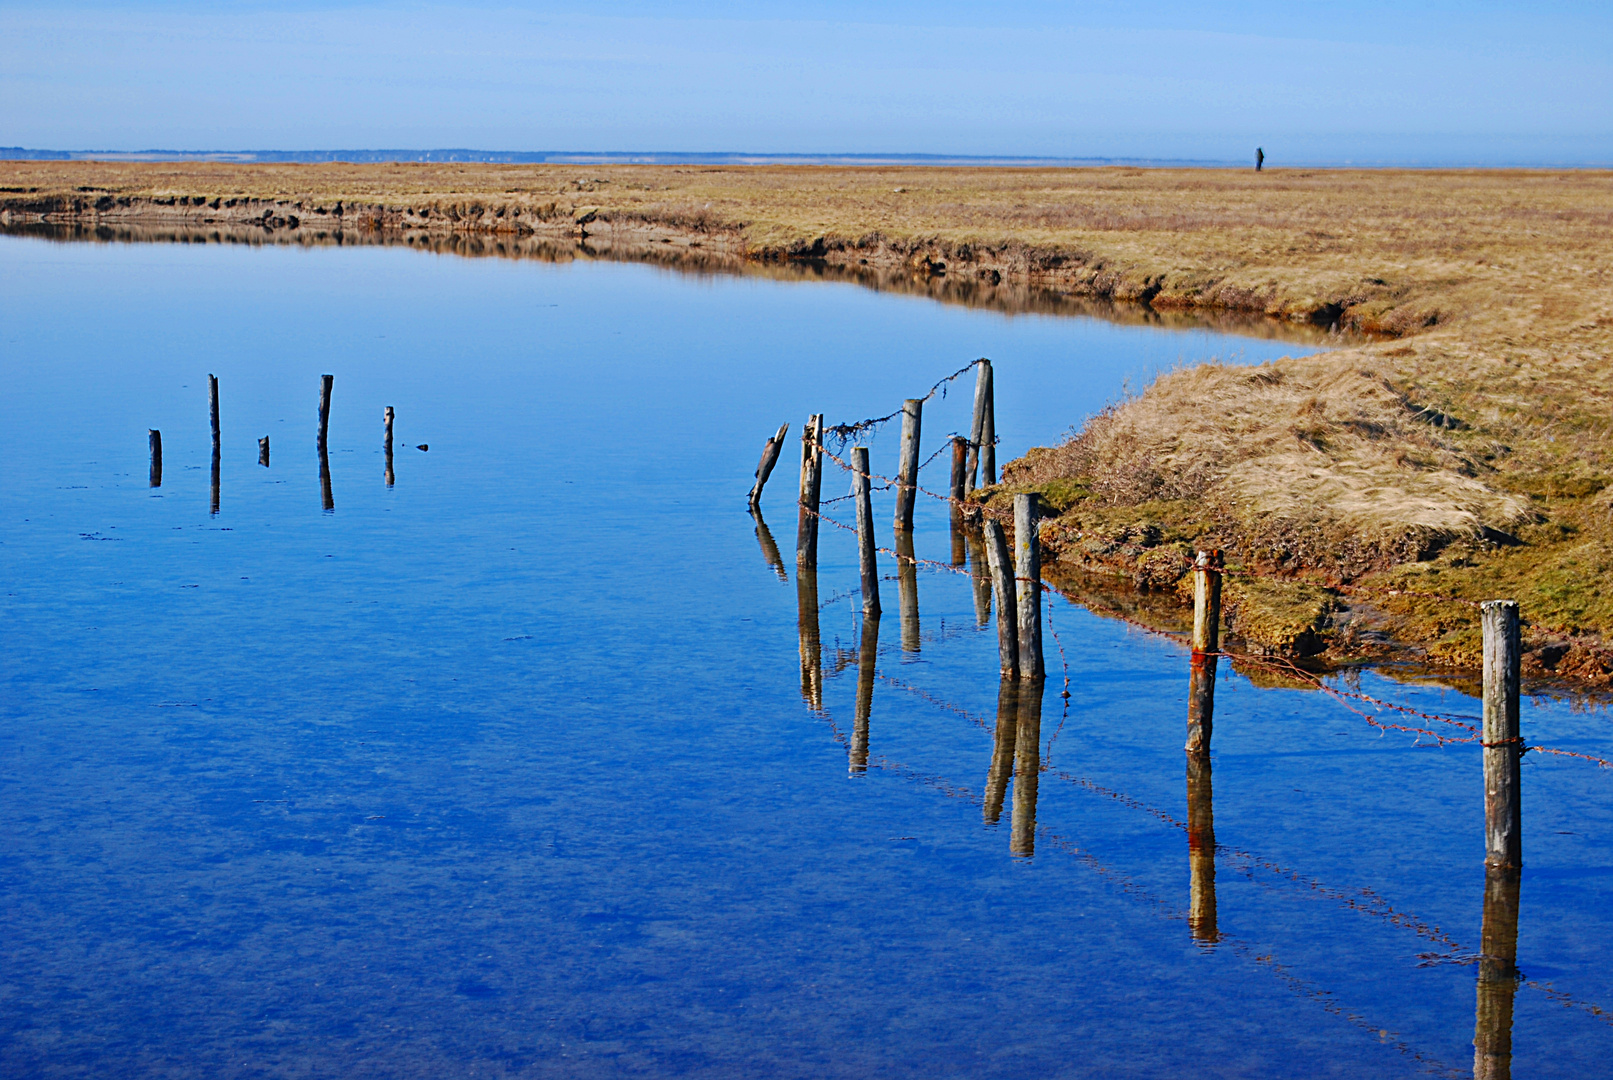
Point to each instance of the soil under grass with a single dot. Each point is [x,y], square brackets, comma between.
[1458,449]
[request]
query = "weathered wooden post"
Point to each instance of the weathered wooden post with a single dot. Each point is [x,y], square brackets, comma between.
[866,561]
[988,431]
[215,485]
[806,621]
[263,451]
[1002,579]
[1028,578]
[907,591]
[907,470]
[1027,768]
[977,426]
[806,531]
[1002,749]
[386,418]
[960,455]
[764,469]
[324,481]
[212,406]
[1498,975]
[867,656]
[770,552]
[1503,746]
[1206,646]
[325,382]
[154,437]
[1201,918]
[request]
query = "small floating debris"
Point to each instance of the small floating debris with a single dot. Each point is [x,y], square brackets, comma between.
[423,446]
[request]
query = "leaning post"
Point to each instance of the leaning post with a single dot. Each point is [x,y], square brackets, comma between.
[977,425]
[1028,578]
[806,531]
[764,469]
[865,531]
[1503,746]
[1206,645]
[907,471]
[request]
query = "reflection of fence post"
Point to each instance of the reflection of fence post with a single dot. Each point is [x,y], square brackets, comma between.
[977,426]
[770,454]
[979,575]
[1002,749]
[1002,578]
[867,654]
[155,439]
[770,552]
[806,603]
[1503,817]
[1498,976]
[215,485]
[865,531]
[1028,575]
[1201,919]
[325,382]
[907,470]
[806,532]
[907,591]
[1027,768]
[1206,645]
[263,451]
[387,418]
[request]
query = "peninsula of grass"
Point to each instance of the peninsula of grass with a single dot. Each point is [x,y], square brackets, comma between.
[1455,447]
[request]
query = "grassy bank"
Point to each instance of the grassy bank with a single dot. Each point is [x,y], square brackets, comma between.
[1464,453]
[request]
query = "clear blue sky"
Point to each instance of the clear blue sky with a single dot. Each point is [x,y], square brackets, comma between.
[1430,83]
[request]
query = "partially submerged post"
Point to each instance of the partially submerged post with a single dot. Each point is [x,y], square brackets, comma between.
[907,470]
[770,453]
[977,427]
[1002,578]
[1002,749]
[806,531]
[324,481]
[867,655]
[263,451]
[1498,976]
[1206,645]
[215,484]
[387,419]
[1503,746]
[1027,768]
[154,437]
[212,407]
[1028,578]
[1201,918]
[325,382]
[907,591]
[866,562]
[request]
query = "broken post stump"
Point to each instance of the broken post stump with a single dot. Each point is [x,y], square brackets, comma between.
[806,531]
[770,453]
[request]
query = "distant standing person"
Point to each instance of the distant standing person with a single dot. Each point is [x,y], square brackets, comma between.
[1260,158]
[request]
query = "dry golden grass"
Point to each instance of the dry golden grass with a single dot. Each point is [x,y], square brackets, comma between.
[1466,452]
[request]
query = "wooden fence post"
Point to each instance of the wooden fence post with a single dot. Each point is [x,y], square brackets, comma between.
[1028,579]
[212,406]
[325,382]
[1503,747]
[386,417]
[263,451]
[806,532]
[907,470]
[866,562]
[215,484]
[977,424]
[1206,646]
[155,439]
[1002,579]
[770,453]
[960,468]
[988,430]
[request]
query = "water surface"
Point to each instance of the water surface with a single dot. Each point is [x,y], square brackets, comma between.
[506,769]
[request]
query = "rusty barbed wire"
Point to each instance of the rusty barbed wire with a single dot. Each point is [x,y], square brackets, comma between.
[843,433]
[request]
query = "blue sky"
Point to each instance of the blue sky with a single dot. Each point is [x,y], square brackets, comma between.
[1416,83]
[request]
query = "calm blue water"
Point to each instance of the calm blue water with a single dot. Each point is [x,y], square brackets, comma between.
[506,770]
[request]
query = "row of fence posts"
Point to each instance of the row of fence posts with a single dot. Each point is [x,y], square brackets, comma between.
[1016,581]
[326,382]
[1501,740]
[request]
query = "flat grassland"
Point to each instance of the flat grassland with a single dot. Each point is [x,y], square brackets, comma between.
[1458,445]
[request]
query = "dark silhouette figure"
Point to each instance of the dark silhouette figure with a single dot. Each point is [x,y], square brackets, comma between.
[1260,159]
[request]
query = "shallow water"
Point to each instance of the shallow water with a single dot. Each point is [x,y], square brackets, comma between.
[506,769]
